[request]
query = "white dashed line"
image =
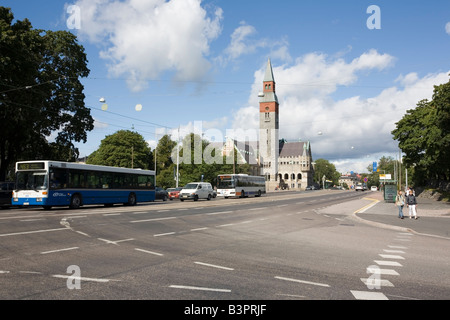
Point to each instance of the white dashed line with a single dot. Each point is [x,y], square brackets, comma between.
[163,234]
[303,281]
[199,288]
[368,295]
[214,266]
[59,250]
[150,252]
[31,232]
[388,263]
[391,256]
[153,220]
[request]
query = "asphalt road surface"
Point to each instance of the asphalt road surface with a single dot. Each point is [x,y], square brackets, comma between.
[283,246]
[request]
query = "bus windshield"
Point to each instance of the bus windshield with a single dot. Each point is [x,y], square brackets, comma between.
[29,180]
[225,183]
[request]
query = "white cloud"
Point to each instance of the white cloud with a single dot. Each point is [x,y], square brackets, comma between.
[353,127]
[244,42]
[447,28]
[142,39]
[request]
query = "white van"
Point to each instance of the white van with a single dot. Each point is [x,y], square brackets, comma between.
[197,190]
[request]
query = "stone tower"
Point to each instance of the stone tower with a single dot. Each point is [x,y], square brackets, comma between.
[268,129]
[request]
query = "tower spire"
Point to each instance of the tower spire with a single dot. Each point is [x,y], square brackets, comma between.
[269,72]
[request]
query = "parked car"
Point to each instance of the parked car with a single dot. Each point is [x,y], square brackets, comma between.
[6,189]
[197,190]
[174,193]
[161,194]
[373,188]
[360,187]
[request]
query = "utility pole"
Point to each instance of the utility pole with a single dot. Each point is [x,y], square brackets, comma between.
[178,156]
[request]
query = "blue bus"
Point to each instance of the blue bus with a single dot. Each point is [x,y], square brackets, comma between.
[54,183]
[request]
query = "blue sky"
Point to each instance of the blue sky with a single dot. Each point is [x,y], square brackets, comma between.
[192,62]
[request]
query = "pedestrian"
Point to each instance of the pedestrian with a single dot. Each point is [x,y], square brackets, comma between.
[400,202]
[411,203]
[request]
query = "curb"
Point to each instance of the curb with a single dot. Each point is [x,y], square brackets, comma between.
[386,226]
[373,223]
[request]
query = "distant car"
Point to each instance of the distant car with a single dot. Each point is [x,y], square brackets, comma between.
[373,188]
[161,194]
[174,193]
[359,187]
[6,189]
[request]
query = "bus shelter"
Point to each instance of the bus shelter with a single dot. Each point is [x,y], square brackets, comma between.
[389,190]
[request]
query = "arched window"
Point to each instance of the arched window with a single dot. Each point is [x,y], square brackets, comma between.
[293,176]
[286,176]
[299,176]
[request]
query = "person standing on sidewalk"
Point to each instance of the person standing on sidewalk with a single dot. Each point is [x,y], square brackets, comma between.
[400,202]
[411,203]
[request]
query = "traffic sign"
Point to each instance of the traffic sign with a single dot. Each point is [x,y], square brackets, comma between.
[374,166]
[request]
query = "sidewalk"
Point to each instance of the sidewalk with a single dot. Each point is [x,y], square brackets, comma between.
[433,216]
[425,207]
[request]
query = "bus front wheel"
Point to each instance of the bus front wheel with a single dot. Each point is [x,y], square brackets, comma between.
[75,202]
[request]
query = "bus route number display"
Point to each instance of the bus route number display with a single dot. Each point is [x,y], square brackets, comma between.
[31,166]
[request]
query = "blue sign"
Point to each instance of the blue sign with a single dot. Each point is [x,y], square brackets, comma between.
[374,167]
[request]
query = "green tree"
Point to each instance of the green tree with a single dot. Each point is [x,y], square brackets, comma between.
[424,136]
[325,168]
[125,149]
[40,93]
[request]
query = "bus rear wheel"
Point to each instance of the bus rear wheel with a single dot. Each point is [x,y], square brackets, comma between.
[131,200]
[75,201]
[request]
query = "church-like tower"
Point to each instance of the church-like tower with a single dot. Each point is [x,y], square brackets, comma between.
[268,128]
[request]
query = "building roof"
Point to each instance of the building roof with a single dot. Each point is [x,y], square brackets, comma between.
[294,149]
[269,72]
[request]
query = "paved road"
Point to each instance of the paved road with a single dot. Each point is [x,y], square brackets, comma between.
[284,246]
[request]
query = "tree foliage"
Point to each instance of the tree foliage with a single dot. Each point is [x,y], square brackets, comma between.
[40,93]
[126,149]
[424,136]
[325,168]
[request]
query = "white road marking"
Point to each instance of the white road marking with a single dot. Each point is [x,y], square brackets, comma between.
[388,263]
[368,295]
[150,252]
[60,250]
[163,234]
[213,213]
[82,278]
[382,271]
[303,281]
[199,229]
[225,225]
[114,242]
[391,256]
[381,282]
[393,251]
[397,247]
[31,232]
[213,266]
[290,295]
[254,209]
[152,220]
[199,288]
